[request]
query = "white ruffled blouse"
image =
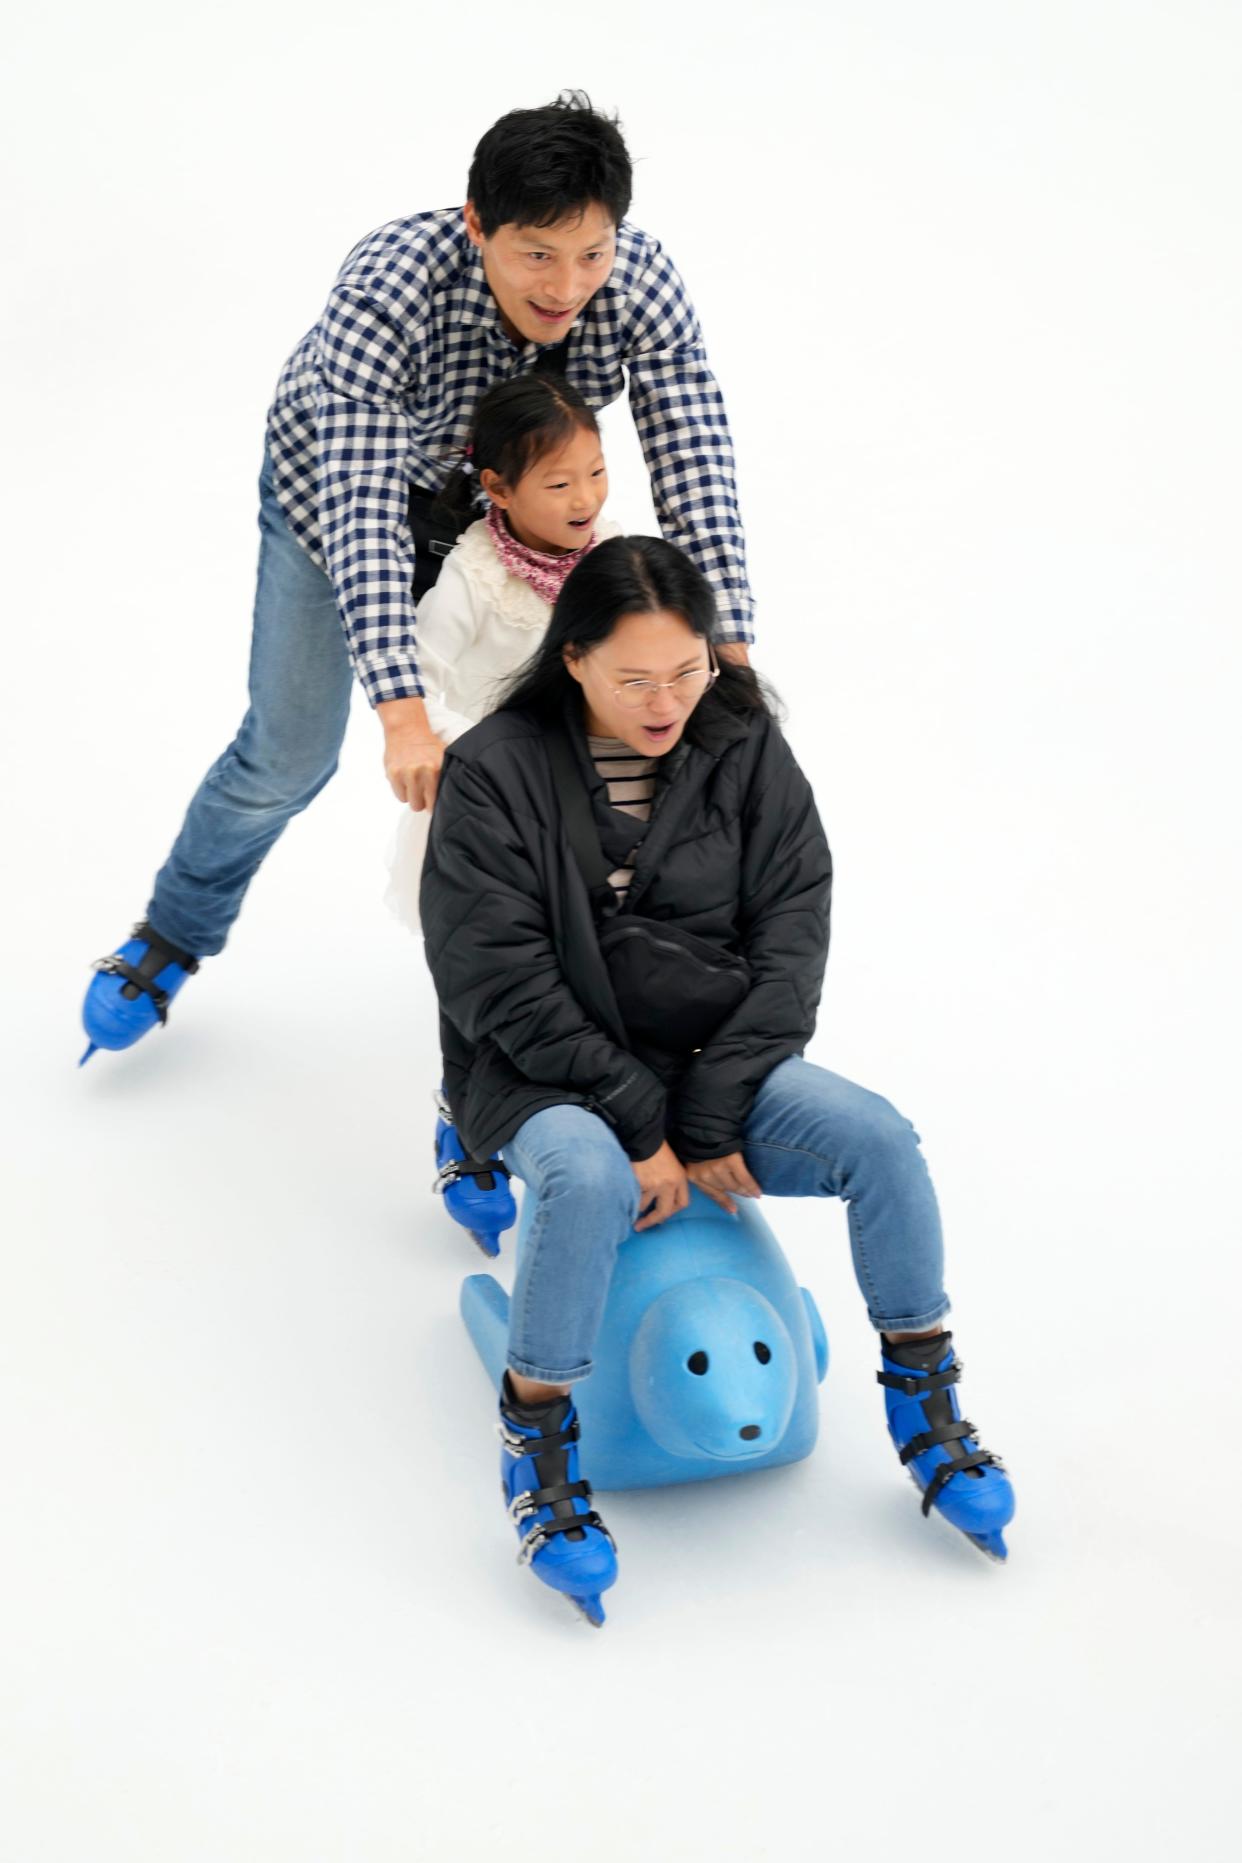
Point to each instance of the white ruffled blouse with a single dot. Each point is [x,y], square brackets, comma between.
[474,629]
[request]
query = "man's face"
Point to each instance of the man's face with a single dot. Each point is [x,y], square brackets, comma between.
[541,276]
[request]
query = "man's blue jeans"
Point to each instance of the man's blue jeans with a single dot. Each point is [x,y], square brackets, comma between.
[810,1134]
[284,753]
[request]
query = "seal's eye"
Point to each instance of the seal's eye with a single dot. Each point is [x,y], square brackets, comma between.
[697,1363]
[762,1352]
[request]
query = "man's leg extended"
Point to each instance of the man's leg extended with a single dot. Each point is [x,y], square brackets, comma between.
[283,754]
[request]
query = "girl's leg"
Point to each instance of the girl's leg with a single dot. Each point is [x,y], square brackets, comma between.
[813,1134]
[586,1204]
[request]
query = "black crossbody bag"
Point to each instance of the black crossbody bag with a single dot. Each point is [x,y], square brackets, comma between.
[672,988]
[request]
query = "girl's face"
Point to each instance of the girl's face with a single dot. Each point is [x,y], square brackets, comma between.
[554,505]
[654,649]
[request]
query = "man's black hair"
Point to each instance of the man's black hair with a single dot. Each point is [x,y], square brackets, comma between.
[535,167]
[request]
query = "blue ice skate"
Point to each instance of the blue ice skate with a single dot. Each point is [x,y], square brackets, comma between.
[132,990]
[967,1485]
[561,1537]
[476,1193]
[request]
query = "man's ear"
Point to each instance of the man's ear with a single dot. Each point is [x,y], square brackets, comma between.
[474,226]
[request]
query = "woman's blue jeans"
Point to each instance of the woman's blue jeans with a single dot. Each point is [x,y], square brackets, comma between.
[810,1134]
[283,754]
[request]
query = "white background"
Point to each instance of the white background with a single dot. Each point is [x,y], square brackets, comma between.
[969,278]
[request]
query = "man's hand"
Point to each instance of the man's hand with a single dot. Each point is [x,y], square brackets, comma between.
[412,752]
[735,650]
[662,1186]
[722,1179]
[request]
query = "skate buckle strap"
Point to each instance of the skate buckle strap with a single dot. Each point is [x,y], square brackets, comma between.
[983,1458]
[921,1386]
[171,953]
[457,1168]
[114,966]
[159,949]
[931,1439]
[532,1499]
[543,1531]
[536,1445]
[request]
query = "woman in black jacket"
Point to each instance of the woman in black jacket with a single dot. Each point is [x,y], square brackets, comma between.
[625,904]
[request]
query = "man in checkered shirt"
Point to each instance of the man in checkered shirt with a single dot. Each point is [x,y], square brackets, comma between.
[540,269]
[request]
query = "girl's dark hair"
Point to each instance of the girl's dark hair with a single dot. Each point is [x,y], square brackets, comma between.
[534,167]
[627,576]
[514,425]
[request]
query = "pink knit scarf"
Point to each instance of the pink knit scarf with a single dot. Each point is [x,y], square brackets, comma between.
[546,574]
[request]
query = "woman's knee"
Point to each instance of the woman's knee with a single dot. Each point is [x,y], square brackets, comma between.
[855,1119]
[576,1162]
[595,1177]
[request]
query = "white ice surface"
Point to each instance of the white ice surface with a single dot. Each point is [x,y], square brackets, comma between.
[257,1596]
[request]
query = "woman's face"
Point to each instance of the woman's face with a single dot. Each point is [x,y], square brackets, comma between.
[554,505]
[654,649]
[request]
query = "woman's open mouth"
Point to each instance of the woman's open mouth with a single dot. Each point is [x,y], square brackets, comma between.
[659,734]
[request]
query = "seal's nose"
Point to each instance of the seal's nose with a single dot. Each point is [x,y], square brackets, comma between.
[749,1431]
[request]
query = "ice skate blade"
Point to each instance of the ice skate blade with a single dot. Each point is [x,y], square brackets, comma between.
[487,1245]
[589,1609]
[991,1545]
[91,1048]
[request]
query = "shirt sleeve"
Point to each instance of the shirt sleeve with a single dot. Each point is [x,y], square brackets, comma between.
[363,436]
[681,422]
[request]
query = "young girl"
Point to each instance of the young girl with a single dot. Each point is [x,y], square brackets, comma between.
[623,1043]
[534,448]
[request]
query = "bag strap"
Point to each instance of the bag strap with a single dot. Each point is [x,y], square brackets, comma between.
[576,812]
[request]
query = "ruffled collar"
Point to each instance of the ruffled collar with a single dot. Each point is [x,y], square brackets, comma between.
[545,573]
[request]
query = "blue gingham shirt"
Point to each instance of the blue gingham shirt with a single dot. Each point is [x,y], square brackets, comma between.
[378,395]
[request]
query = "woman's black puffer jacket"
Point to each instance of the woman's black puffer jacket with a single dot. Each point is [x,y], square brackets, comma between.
[734,853]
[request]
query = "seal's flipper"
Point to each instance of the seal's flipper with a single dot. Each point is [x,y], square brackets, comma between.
[485,1309]
[819,1338]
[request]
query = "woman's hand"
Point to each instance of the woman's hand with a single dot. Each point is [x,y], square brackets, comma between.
[662,1186]
[412,751]
[722,1179]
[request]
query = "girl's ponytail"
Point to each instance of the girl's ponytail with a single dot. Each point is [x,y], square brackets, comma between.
[454,503]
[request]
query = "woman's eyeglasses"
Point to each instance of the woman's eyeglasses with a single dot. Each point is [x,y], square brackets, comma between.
[688,688]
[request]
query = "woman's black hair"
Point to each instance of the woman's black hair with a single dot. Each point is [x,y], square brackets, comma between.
[512,427]
[627,576]
[535,167]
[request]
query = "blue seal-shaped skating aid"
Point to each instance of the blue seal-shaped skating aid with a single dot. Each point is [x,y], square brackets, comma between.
[708,1358]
